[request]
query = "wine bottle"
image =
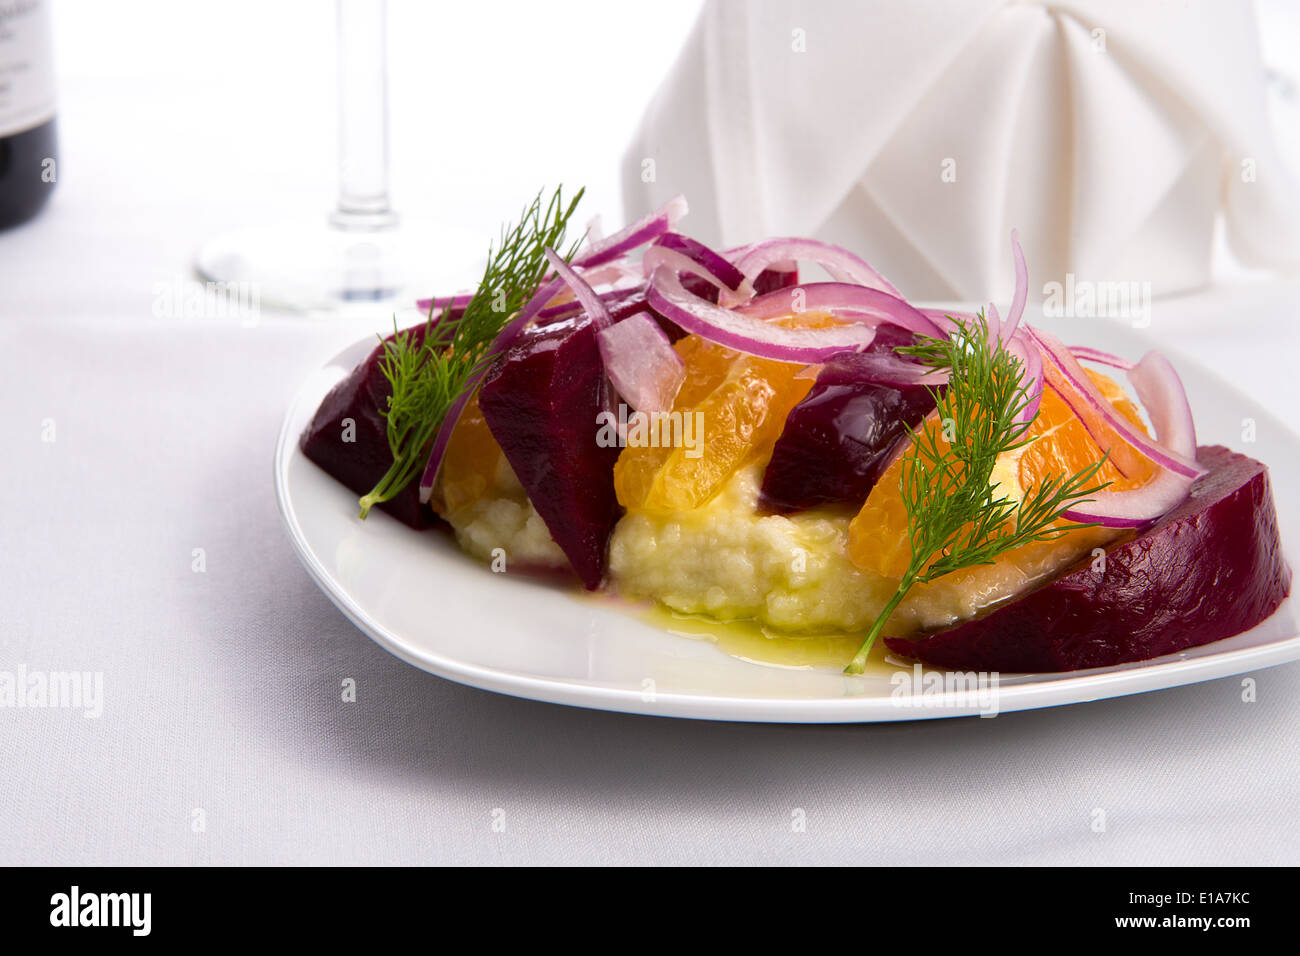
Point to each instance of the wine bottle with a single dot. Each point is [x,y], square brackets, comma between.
[28,161]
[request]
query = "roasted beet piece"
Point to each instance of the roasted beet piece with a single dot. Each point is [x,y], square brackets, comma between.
[541,400]
[359,464]
[1209,569]
[838,440]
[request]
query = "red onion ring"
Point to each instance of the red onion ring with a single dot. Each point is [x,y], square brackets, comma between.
[641,363]
[1022,289]
[865,306]
[994,323]
[634,236]
[1031,375]
[1165,391]
[1165,400]
[584,293]
[686,255]
[737,330]
[842,265]
[1085,354]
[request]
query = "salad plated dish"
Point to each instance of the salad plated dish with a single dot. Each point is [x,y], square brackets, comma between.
[771,448]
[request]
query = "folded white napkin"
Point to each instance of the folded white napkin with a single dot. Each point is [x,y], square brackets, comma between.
[919,134]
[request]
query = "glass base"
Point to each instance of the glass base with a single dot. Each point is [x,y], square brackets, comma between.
[315,268]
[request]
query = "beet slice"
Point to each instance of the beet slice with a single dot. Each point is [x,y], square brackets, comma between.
[360,463]
[1209,569]
[843,434]
[540,401]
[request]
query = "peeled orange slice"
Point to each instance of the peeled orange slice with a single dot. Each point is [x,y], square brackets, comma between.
[740,402]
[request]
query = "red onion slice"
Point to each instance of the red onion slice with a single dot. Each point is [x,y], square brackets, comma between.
[1067,377]
[993,321]
[1162,394]
[862,305]
[686,255]
[947,320]
[1022,289]
[842,265]
[747,333]
[1165,401]
[634,236]
[584,293]
[1031,375]
[1085,354]
[641,363]
[1133,509]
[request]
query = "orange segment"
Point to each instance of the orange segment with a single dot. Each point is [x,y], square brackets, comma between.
[1059,445]
[742,402]
[741,416]
[470,465]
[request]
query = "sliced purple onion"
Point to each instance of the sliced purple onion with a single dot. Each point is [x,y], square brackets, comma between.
[993,322]
[1133,509]
[858,303]
[1162,394]
[1022,289]
[747,333]
[1085,354]
[842,265]
[1174,449]
[634,236]
[641,363]
[1031,377]
[613,298]
[947,320]
[584,293]
[684,254]
[1165,401]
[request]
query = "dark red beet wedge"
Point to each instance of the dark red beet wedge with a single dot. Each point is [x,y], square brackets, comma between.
[541,400]
[360,463]
[842,436]
[1209,569]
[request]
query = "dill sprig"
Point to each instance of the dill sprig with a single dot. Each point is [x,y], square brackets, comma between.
[956,516]
[426,374]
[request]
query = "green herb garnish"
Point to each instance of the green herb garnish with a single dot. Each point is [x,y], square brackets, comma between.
[956,517]
[428,375]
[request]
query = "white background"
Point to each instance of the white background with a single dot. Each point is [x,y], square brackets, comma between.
[222,688]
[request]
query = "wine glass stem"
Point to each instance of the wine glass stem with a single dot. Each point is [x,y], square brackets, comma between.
[363,117]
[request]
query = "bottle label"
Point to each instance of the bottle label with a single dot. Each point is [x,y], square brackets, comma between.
[26,65]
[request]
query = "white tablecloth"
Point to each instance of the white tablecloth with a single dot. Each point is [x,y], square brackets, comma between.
[221,689]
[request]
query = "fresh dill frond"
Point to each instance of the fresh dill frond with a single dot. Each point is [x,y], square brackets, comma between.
[426,374]
[956,516]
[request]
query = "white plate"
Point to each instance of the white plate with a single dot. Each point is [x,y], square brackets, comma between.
[420,598]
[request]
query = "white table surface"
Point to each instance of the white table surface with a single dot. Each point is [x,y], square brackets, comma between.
[221,689]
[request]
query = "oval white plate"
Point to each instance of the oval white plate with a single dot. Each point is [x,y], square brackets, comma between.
[420,598]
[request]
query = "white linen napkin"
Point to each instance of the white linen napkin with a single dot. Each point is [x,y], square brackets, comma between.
[919,134]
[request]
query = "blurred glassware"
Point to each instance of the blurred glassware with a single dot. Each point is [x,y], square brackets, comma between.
[361,252]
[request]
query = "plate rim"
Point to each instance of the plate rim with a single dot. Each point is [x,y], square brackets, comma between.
[1077,687]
